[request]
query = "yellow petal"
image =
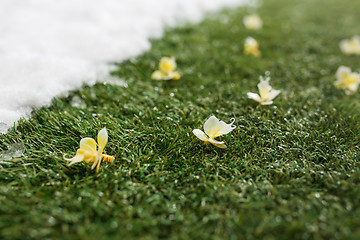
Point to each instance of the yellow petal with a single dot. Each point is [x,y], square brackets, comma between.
[78,157]
[102,141]
[88,144]
[264,87]
[167,64]
[176,76]
[157,75]
[102,138]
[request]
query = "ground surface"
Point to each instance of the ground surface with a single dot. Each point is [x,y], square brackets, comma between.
[291,170]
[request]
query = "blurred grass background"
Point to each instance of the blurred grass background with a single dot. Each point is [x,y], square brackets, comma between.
[291,170]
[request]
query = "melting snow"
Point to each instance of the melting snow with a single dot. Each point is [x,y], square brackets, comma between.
[49,47]
[14,151]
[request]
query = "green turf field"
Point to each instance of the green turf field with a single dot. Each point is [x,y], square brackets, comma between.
[291,169]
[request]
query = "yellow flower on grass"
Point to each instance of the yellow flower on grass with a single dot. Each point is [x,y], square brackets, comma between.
[350,46]
[214,128]
[88,153]
[267,93]
[347,80]
[253,22]
[166,70]
[251,47]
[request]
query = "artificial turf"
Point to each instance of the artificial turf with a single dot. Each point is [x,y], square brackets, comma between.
[291,170]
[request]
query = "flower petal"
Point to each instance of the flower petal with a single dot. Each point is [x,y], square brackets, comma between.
[267,103]
[167,64]
[88,144]
[80,153]
[254,96]
[102,138]
[211,126]
[217,143]
[176,76]
[264,87]
[157,75]
[224,128]
[200,134]
[273,93]
[343,72]
[102,141]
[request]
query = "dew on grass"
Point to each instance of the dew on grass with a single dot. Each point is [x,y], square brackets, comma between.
[51,220]
[115,81]
[14,151]
[77,102]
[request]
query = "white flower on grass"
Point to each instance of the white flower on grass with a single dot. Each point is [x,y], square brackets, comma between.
[166,70]
[350,46]
[88,153]
[347,80]
[267,93]
[251,47]
[253,22]
[214,128]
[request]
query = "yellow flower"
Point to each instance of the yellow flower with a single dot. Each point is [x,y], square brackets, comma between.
[347,80]
[350,46]
[88,153]
[251,47]
[253,22]
[166,70]
[214,128]
[267,93]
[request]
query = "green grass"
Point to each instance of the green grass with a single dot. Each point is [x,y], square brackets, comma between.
[291,170]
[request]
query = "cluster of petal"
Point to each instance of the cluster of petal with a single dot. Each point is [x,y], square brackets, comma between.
[350,46]
[251,47]
[347,80]
[88,152]
[166,70]
[253,22]
[266,92]
[214,128]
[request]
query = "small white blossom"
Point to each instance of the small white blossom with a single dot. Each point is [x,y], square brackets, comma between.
[214,128]
[251,47]
[266,92]
[253,22]
[350,46]
[347,80]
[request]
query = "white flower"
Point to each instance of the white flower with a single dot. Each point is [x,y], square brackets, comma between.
[214,128]
[350,46]
[251,47]
[166,70]
[252,21]
[347,80]
[267,93]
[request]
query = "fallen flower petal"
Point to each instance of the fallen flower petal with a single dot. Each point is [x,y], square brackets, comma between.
[266,92]
[214,128]
[251,47]
[350,46]
[88,152]
[166,70]
[253,22]
[347,80]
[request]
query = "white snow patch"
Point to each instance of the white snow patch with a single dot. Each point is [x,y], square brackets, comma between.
[49,47]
